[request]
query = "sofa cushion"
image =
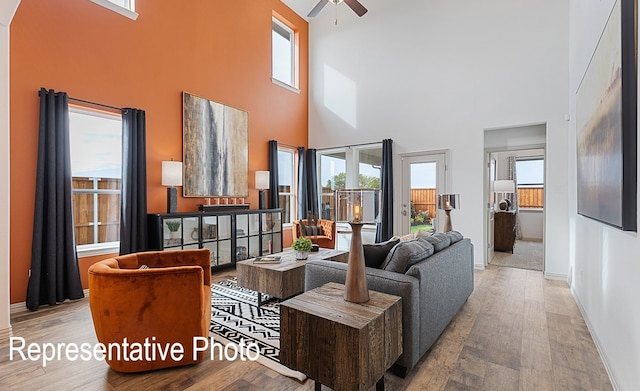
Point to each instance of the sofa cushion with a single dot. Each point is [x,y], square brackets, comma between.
[404,254]
[439,241]
[428,251]
[375,254]
[455,236]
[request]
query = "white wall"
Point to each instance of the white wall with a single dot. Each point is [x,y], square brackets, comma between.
[605,267]
[531,224]
[433,75]
[7,10]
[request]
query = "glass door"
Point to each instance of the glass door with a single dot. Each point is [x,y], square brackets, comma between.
[423,177]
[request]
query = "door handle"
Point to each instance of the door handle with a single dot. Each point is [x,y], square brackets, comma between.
[404,212]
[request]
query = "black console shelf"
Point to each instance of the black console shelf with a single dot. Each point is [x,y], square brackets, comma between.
[230,235]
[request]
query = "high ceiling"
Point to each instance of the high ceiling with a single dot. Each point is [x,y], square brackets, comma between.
[301,7]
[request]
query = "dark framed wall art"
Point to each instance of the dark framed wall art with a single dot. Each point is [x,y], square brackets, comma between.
[215,149]
[606,124]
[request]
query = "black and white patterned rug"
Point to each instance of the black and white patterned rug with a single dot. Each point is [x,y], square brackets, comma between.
[236,318]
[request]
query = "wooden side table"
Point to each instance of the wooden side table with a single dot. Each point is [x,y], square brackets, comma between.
[343,345]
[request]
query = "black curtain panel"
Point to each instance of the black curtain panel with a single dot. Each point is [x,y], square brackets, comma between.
[133,213]
[312,182]
[384,230]
[303,205]
[54,275]
[274,197]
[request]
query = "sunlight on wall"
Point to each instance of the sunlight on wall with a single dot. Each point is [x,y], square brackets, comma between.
[340,95]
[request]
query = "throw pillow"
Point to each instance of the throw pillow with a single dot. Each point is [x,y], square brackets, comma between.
[375,254]
[313,230]
[405,238]
[404,254]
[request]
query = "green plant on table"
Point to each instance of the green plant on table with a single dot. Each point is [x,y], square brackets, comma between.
[302,244]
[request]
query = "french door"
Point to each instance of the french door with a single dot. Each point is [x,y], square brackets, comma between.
[423,177]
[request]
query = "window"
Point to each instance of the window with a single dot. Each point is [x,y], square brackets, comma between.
[530,177]
[123,7]
[95,139]
[283,54]
[346,168]
[286,182]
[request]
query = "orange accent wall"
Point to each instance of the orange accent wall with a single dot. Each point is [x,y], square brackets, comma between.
[220,50]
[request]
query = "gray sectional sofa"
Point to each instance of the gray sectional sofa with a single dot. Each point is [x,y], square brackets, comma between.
[434,277]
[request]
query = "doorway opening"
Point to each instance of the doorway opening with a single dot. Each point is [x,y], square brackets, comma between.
[423,177]
[515,196]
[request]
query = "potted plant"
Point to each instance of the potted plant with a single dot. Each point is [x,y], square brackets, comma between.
[173,226]
[302,246]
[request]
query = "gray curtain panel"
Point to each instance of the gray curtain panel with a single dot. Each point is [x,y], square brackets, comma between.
[133,213]
[384,229]
[274,197]
[513,197]
[303,205]
[54,275]
[312,182]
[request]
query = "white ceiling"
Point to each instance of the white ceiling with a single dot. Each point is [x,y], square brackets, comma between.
[302,7]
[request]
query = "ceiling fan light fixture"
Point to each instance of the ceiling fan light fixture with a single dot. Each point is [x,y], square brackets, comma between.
[355,5]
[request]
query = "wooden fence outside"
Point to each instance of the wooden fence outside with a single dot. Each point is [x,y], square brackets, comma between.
[424,200]
[85,207]
[531,197]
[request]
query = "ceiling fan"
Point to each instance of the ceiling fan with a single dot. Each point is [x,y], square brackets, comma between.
[353,4]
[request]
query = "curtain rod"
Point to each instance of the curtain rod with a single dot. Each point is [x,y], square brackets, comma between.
[96,104]
[348,146]
[287,145]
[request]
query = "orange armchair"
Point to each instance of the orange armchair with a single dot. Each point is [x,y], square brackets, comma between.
[170,300]
[326,240]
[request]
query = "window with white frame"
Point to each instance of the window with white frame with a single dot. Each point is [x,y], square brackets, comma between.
[287,183]
[346,168]
[283,53]
[95,139]
[123,7]
[530,178]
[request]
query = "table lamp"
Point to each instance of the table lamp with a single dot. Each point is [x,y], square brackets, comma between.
[357,207]
[262,184]
[172,177]
[447,202]
[504,186]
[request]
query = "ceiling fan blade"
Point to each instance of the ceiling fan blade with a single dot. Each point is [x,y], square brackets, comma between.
[356,7]
[318,8]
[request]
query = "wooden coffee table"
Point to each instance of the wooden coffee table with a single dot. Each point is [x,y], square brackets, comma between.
[343,345]
[284,279]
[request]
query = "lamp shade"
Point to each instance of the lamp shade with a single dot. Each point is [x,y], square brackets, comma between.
[503,186]
[448,201]
[171,173]
[358,205]
[262,180]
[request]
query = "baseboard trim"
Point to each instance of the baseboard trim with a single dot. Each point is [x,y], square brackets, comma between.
[596,341]
[18,308]
[556,276]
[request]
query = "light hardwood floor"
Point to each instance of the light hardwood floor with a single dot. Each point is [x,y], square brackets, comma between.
[517,331]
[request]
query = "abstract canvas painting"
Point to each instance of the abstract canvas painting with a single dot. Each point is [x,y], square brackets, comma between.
[606,127]
[215,150]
